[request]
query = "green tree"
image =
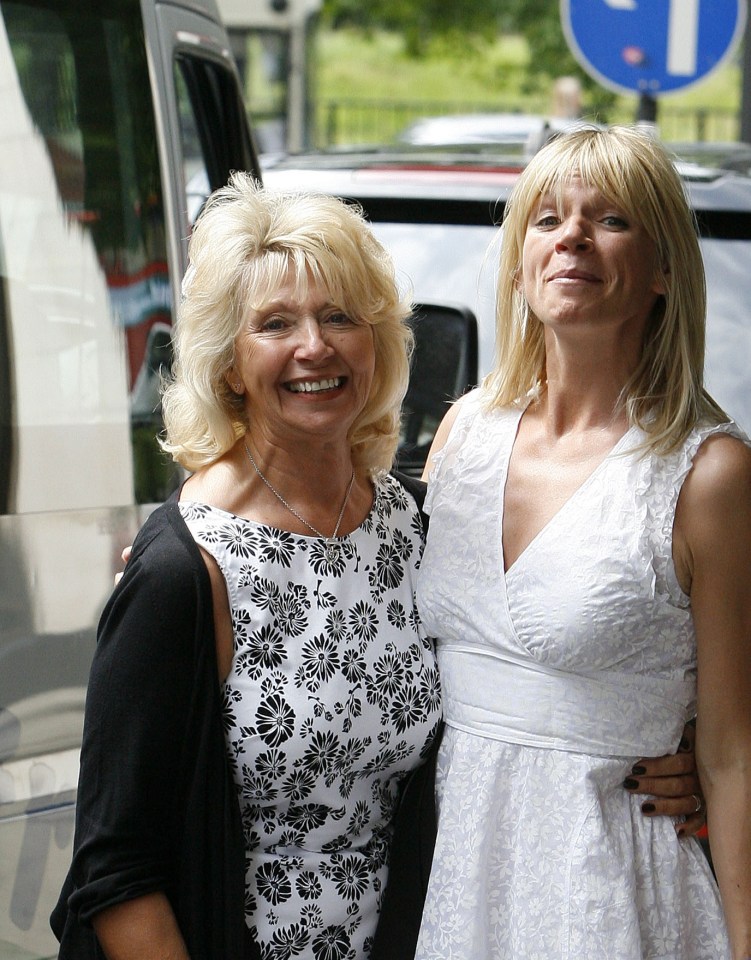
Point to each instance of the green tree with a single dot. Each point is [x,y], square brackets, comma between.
[539,22]
[420,21]
[469,25]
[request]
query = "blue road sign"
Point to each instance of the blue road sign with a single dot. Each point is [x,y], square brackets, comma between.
[652,46]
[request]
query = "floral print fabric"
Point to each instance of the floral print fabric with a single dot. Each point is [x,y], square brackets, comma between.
[556,676]
[333,696]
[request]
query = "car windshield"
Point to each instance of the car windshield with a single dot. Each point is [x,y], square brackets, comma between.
[445,263]
[438,217]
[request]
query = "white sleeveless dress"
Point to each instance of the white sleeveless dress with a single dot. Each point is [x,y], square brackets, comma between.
[332,697]
[556,677]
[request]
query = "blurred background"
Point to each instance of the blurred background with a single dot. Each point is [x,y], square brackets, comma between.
[321,74]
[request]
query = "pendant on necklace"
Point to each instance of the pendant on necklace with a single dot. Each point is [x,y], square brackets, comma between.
[332,551]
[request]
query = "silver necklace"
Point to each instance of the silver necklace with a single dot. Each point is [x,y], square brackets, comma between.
[331,546]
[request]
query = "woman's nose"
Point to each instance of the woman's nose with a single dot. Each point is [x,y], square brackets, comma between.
[311,342]
[573,234]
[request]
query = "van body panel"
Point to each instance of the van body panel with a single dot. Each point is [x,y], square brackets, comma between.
[107,109]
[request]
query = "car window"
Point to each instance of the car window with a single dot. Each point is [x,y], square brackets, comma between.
[448,263]
[212,133]
[728,366]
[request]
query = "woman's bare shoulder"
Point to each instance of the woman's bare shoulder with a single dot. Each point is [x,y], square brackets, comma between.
[721,468]
[716,496]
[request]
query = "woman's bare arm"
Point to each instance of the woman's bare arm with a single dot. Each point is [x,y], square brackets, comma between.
[141,929]
[713,529]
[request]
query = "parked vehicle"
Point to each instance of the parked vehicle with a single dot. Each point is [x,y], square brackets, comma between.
[512,133]
[438,214]
[108,109]
[718,154]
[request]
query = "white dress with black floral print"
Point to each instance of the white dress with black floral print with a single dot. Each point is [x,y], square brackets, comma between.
[332,697]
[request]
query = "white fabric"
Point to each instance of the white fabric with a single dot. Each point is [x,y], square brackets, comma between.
[556,677]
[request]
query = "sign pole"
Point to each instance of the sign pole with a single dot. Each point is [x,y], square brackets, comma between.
[647,109]
[746,86]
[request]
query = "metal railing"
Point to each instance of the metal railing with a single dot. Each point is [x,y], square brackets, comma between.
[357,122]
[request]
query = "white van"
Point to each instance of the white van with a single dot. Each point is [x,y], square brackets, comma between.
[109,107]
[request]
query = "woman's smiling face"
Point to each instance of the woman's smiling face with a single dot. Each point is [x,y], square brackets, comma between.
[585,261]
[304,366]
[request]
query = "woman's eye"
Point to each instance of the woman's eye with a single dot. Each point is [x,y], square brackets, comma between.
[338,319]
[548,220]
[613,220]
[272,324]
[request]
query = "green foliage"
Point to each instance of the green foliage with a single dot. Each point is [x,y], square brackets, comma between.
[420,21]
[369,87]
[429,17]
[471,28]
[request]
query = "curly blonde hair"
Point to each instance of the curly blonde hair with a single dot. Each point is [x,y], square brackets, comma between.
[665,395]
[241,249]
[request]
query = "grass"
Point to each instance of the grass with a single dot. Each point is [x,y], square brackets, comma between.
[359,69]
[353,64]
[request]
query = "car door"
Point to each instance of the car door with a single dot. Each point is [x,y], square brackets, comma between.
[204,134]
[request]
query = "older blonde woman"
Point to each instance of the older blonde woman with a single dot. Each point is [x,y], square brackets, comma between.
[588,582]
[261,684]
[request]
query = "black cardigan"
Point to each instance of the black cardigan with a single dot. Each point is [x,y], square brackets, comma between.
[157,807]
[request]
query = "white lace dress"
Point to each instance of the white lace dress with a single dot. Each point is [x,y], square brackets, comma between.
[556,677]
[332,697]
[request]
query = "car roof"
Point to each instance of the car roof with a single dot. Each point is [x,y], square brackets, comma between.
[395,175]
[473,128]
[394,179]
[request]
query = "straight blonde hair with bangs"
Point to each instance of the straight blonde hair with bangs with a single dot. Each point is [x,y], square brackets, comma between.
[665,396]
[241,248]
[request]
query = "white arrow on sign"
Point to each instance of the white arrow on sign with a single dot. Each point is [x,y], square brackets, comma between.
[683,37]
[683,34]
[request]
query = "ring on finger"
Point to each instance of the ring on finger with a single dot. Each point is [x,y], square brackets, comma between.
[699,802]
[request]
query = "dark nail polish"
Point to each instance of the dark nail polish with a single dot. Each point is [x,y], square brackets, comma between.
[630,784]
[648,808]
[638,770]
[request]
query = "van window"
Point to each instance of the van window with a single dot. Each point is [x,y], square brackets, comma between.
[81,199]
[212,126]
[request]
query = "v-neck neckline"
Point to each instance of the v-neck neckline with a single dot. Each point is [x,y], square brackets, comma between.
[565,506]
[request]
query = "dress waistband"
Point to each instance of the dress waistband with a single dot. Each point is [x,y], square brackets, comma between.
[608,714]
